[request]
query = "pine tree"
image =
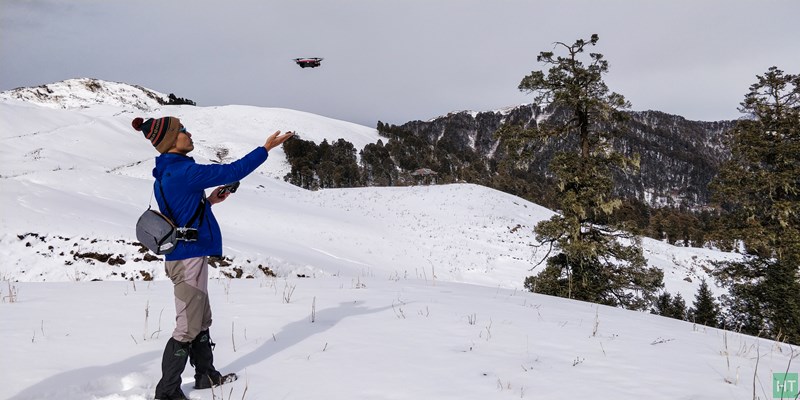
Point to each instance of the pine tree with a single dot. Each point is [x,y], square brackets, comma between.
[377,166]
[668,306]
[759,190]
[597,262]
[302,155]
[678,308]
[662,304]
[325,166]
[346,172]
[705,310]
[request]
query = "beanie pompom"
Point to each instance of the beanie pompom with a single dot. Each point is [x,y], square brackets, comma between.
[137,123]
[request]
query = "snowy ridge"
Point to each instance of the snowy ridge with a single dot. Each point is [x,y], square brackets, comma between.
[369,293]
[502,111]
[84,92]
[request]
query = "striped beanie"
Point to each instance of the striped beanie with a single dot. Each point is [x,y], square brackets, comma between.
[161,132]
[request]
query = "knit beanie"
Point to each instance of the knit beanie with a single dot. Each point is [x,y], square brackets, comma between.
[161,132]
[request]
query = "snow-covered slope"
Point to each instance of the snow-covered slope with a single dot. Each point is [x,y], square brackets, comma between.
[344,338]
[381,293]
[76,179]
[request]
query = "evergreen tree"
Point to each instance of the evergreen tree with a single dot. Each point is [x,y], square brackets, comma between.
[346,172]
[662,304]
[325,166]
[704,310]
[174,100]
[302,155]
[597,262]
[408,151]
[759,190]
[377,165]
[668,306]
[679,308]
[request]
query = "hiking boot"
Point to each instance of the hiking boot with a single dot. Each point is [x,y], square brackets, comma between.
[202,358]
[208,382]
[172,364]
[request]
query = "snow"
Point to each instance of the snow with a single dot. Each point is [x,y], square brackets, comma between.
[84,92]
[474,114]
[380,293]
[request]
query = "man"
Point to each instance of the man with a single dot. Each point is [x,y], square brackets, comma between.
[180,193]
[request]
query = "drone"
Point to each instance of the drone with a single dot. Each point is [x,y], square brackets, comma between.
[310,62]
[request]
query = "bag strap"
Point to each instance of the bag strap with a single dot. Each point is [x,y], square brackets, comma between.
[199,212]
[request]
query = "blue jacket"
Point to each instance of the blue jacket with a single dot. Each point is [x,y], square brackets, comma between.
[184,183]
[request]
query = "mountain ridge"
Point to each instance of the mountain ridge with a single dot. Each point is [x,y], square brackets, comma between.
[679,157]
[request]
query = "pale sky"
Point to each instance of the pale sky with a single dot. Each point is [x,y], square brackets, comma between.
[397,61]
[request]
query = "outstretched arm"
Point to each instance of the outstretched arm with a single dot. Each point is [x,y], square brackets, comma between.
[274,140]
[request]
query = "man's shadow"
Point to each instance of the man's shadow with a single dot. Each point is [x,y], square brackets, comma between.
[99,380]
[105,379]
[298,331]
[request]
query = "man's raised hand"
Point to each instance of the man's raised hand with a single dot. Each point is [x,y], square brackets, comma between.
[276,139]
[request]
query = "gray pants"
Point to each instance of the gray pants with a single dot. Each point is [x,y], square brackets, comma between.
[192,309]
